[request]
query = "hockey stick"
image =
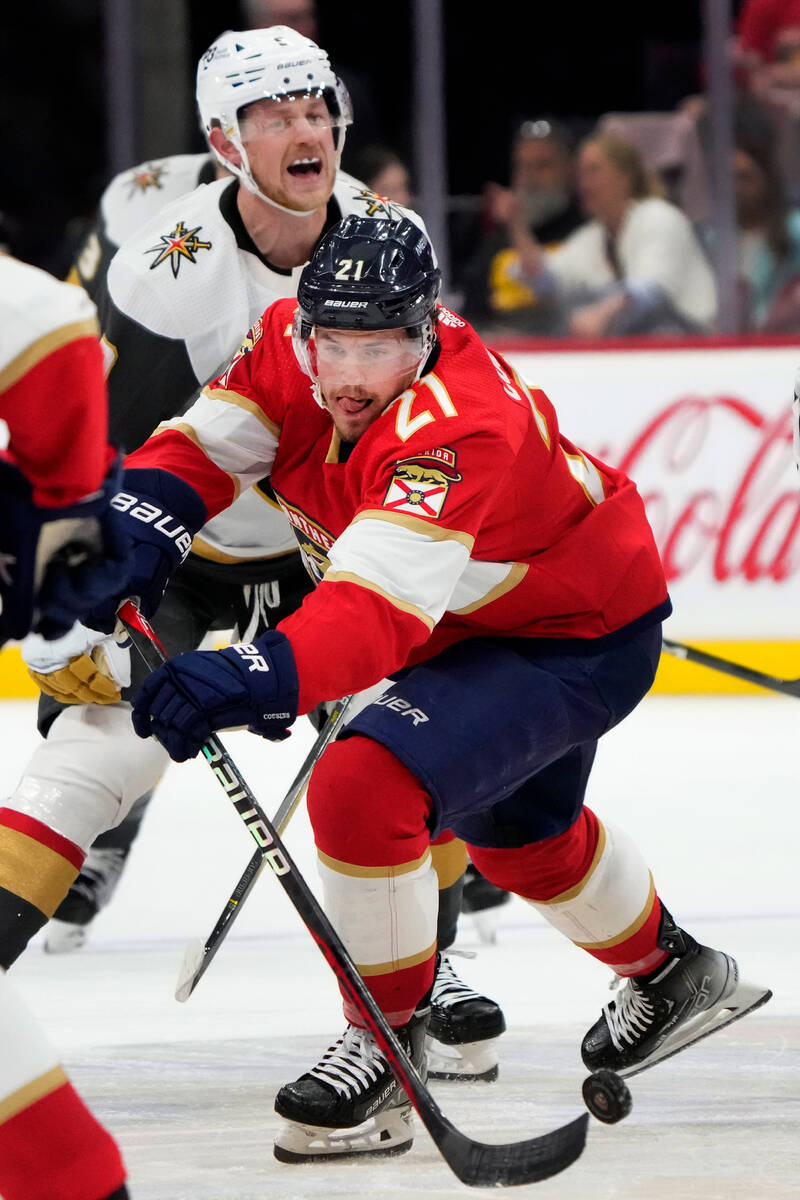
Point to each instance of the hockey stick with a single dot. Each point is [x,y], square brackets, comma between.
[478,1164]
[198,955]
[787,687]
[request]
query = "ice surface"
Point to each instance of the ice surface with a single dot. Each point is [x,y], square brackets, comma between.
[708,787]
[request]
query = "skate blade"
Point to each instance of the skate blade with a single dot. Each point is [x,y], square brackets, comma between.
[65,938]
[486,922]
[469,1062]
[191,962]
[745,998]
[390,1133]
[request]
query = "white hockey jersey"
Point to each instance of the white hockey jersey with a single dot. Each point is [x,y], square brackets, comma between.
[180,296]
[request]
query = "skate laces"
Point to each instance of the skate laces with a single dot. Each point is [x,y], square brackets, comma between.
[352,1063]
[629,1015]
[448,989]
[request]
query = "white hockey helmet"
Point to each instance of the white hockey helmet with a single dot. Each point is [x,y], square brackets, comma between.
[265,64]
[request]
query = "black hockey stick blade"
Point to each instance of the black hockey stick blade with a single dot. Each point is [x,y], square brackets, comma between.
[478,1164]
[772,683]
[198,956]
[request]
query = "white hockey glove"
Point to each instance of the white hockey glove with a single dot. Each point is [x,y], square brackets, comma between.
[82,667]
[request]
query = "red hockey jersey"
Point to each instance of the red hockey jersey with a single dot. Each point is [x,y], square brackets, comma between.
[52,392]
[461,512]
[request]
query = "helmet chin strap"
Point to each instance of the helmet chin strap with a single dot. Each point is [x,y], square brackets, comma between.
[252,186]
[244,173]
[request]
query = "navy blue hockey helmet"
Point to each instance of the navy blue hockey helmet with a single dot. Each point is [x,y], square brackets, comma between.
[370,273]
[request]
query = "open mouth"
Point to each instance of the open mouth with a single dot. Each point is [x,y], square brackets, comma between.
[305,168]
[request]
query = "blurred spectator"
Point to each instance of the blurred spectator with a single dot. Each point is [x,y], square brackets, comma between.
[769,241]
[539,208]
[768,43]
[297,14]
[385,172]
[670,146]
[767,58]
[636,266]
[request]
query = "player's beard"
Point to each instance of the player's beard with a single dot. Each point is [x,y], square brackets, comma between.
[300,200]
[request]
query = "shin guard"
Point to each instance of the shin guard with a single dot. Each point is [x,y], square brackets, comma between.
[593,885]
[369,818]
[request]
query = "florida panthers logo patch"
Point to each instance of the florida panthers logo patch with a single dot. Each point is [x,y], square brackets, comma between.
[420,484]
[313,539]
[179,246]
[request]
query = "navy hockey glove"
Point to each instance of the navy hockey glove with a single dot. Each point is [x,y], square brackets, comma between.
[160,514]
[55,563]
[194,694]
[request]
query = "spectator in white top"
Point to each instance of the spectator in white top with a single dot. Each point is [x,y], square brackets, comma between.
[636,266]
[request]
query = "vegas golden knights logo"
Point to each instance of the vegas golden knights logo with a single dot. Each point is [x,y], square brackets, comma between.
[179,246]
[145,178]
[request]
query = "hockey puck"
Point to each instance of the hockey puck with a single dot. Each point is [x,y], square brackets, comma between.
[607,1096]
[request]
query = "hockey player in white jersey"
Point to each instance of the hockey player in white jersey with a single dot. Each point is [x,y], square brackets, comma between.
[175,300]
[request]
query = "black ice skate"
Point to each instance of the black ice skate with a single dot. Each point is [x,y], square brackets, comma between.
[91,891]
[696,992]
[462,1029]
[350,1103]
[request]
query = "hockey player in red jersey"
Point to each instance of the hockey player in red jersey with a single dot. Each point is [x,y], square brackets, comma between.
[56,529]
[61,547]
[509,585]
[173,303]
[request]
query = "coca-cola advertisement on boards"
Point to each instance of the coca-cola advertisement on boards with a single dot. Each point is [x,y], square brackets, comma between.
[706,434]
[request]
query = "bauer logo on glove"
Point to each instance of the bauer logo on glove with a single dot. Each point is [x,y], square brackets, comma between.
[251,655]
[150,514]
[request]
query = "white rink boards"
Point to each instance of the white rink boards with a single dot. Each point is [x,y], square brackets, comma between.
[708,787]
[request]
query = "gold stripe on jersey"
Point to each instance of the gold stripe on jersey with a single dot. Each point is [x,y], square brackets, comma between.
[204,549]
[335,447]
[541,423]
[345,868]
[265,496]
[243,402]
[110,355]
[403,605]
[436,533]
[33,354]
[633,928]
[586,476]
[37,1089]
[397,964]
[449,862]
[513,579]
[191,433]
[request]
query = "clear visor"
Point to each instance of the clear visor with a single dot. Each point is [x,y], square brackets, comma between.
[368,358]
[293,113]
